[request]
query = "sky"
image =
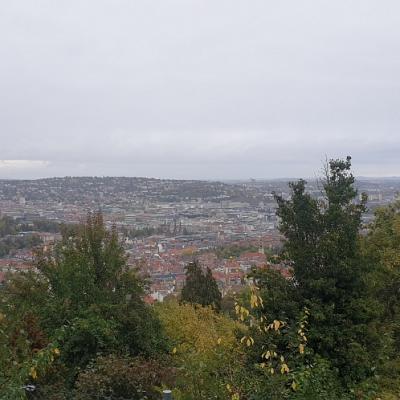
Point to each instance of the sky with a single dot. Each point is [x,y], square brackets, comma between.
[198,89]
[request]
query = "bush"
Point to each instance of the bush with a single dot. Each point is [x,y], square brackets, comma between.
[122,378]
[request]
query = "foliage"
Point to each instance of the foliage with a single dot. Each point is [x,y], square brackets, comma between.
[10,226]
[122,378]
[133,233]
[85,289]
[77,326]
[280,295]
[42,225]
[329,271]
[200,288]
[24,355]
[382,246]
[10,244]
[282,364]
[206,354]
[15,235]
[7,226]
[228,304]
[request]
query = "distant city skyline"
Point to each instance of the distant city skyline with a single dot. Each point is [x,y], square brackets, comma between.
[189,89]
[226,180]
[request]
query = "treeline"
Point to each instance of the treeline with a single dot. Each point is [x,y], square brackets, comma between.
[10,226]
[133,233]
[80,329]
[10,244]
[15,235]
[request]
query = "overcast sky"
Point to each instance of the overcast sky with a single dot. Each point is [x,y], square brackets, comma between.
[198,89]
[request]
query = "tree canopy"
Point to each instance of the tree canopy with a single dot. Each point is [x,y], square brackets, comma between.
[84,297]
[322,243]
[200,288]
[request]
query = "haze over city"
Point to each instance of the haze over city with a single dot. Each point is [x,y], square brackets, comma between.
[198,89]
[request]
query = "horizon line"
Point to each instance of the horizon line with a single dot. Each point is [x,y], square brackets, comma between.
[250,179]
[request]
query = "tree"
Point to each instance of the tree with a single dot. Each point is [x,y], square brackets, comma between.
[323,245]
[280,363]
[200,288]
[206,353]
[85,297]
[382,246]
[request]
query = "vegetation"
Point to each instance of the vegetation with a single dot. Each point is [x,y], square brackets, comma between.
[112,377]
[16,236]
[10,226]
[10,244]
[206,353]
[200,288]
[79,328]
[382,247]
[86,300]
[329,271]
[133,233]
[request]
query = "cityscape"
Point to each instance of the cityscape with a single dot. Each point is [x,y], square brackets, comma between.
[228,227]
[200,200]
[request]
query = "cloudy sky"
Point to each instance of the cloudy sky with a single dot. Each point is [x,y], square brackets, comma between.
[198,88]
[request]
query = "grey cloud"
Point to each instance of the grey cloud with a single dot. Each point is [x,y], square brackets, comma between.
[201,89]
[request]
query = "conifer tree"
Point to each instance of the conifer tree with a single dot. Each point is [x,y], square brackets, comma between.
[200,288]
[322,243]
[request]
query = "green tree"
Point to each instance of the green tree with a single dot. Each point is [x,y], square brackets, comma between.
[86,298]
[329,271]
[382,246]
[200,288]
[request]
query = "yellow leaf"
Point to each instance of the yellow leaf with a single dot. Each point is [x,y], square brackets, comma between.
[301,348]
[174,350]
[253,301]
[33,373]
[294,385]
[284,368]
